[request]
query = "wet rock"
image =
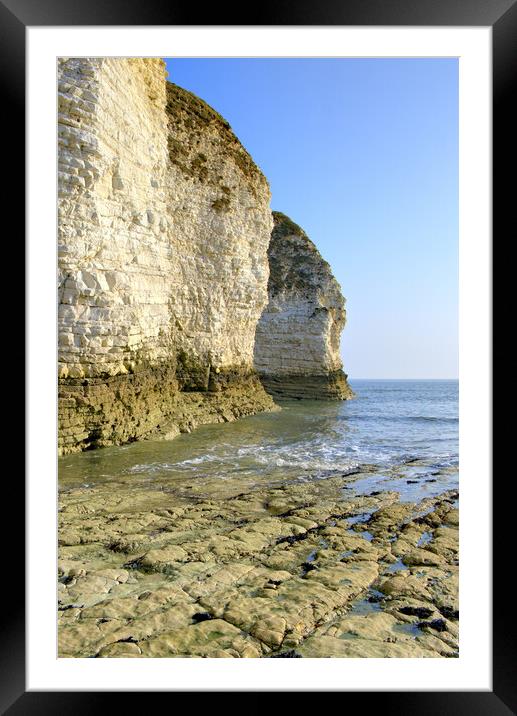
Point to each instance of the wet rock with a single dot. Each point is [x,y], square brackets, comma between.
[291,654]
[436,624]
[449,613]
[201,617]
[220,576]
[422,612]
[120,649]
[423,557]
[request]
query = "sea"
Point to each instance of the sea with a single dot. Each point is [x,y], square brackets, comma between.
[397,435]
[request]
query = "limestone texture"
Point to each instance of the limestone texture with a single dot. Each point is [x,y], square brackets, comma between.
[164,224]
[298,335]
[228,569]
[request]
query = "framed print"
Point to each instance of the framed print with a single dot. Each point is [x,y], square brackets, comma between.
[219,495]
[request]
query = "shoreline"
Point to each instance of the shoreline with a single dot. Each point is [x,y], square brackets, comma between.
[300,569]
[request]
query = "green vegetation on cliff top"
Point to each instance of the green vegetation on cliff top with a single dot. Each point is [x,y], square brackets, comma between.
[189,113]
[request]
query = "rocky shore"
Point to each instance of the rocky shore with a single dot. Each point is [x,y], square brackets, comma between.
[216,568]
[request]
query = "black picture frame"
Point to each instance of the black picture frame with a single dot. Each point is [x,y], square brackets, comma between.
[501,15]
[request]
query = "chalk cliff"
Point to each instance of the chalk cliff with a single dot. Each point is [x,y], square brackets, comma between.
[164,224]
[298,335]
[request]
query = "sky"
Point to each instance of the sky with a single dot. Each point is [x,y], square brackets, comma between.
[363,155]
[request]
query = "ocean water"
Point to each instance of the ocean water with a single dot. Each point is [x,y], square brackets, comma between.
[404,431]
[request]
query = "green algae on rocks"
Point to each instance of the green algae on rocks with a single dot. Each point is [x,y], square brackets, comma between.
[223,573]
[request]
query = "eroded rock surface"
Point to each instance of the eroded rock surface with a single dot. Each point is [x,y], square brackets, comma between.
[296,569]
[298,336]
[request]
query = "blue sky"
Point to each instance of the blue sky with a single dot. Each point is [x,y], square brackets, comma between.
[363,154]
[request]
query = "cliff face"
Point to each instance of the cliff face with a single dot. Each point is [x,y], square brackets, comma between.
[298,335]
[220,222]
[164,224]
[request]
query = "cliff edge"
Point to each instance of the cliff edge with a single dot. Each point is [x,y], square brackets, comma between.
[298,335]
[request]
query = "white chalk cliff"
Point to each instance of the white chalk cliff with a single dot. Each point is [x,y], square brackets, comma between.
[298,336]
[164,228]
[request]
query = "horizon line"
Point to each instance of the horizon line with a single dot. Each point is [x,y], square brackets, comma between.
[376,378]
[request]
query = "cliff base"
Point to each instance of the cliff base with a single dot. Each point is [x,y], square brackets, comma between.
[152,404]
[327,386]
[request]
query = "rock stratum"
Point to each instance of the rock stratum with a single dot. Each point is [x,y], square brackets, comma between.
[225,569]
[298,335]
[164,229]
